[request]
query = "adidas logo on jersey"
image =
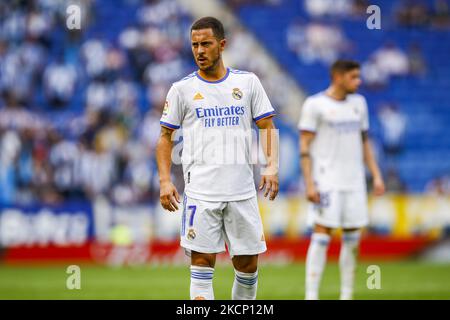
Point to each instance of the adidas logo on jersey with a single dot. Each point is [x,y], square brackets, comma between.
[198,96]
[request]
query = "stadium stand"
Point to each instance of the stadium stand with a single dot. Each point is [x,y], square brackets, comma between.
[90,97]
[411,66]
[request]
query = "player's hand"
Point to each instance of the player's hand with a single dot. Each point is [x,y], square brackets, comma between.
[270,183]
[378,186]
[168,196]
[312,194]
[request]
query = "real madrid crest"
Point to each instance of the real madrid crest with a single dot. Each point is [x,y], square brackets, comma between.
[191,234]
[237,94]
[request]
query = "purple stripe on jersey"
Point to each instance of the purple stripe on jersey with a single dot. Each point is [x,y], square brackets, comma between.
[217,81]
[265,115]
[183,217]
[172,126]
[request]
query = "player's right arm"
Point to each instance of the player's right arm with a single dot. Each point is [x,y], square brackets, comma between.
[170,121]
[168,194]
[308,125]
[306,138]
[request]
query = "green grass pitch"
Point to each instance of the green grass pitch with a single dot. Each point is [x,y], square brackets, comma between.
[399,280]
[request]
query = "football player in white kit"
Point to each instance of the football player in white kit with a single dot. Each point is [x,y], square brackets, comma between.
[220,205]
[334,145]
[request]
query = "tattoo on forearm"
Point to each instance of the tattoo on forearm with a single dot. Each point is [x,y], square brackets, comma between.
[166,133]
[305,155]
[364,135]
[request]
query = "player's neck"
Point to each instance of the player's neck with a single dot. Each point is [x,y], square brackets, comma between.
[336,93]
[216,74]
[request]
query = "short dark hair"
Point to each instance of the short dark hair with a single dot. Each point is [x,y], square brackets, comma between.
[210,22]
[342,66]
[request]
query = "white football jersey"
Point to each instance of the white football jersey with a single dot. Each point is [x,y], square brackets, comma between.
[216,118]
[337,150]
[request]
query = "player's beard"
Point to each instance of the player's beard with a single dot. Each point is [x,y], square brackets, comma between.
[351,90]
[214,63]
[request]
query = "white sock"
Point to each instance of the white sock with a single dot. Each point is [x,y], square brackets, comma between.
[347,263]
[244,285]
[202,283]
[315,263]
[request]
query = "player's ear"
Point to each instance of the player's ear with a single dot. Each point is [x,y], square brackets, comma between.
[337,77]
[222,44]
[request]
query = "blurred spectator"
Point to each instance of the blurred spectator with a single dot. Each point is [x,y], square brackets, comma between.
[439,186]
[417,64]
[333,8]
[393,182]
[19,67]
[360,8]
[386,62]
[111,137]
[59,83]
[374,77]
[64,158]
[393,123]
[441,14]
[391,60]
[316,41]
[99,95]
[319,8]
[94,52]
[413,13]
[419,13]
[9,150]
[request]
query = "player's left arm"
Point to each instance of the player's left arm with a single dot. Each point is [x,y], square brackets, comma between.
[269,141]
[369,159]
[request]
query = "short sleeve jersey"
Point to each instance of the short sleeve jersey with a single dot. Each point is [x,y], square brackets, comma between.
[216,118]
[336,150]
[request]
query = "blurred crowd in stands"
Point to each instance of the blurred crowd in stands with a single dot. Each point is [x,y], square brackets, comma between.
[80,109]
[79,113]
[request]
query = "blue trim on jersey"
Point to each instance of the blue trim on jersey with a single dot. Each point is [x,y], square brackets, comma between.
[265,115]
[172,126]
[217,81]
[183,217]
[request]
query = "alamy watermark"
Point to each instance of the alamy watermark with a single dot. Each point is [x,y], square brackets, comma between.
[374,279]
[73,19]
[374,20]
[228,147]
[73,281]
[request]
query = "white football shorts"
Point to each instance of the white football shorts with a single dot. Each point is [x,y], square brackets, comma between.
[207,226]
[340,209]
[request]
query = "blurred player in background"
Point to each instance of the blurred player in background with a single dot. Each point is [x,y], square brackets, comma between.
[220,204]
[334,145]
